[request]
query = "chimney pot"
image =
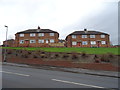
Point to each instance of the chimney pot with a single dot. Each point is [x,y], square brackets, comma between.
[85,29]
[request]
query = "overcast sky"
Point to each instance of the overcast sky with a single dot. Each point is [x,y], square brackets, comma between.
[63,16]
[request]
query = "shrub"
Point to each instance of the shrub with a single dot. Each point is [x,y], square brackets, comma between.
[42,55]
[74,56]
[111,55]
[95,56]
[57,55]
[29,52]
[34,56]
[9,51]
[16,54]
[97,61]
[105,58]
[25,56]
[83,54]
[65,56]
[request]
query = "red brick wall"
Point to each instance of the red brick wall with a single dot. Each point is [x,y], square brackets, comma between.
[27,36]
[92,66]
[10,43]
[79,38]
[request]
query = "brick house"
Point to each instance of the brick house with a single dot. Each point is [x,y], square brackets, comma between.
[88,39]
[9,43]
[36,38]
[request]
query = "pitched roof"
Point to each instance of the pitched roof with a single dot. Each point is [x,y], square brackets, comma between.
[37,31]
[87,33]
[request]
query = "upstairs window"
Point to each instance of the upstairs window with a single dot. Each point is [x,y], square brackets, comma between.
[41,41]
[51,34]
[102,36]
[84,42]
[92,36]
[21,41]
[32,34]
[73,36]
[41,34]
[103,42]
[32,41]
[52,41]
[84,36]
[21,35]
[93,42]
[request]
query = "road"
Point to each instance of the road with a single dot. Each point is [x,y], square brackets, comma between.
[22,77]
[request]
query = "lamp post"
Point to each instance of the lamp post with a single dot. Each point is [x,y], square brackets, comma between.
[5,54]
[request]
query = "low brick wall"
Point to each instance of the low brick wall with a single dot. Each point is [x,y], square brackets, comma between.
[37,61]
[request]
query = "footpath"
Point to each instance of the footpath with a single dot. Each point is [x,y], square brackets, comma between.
[73,70]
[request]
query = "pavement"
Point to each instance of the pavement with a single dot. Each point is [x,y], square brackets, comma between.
[72,70]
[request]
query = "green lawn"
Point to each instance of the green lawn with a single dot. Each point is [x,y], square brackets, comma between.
[87,50]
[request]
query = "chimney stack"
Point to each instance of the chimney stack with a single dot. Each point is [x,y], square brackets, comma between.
[38,27]
[85,30]
[38,30]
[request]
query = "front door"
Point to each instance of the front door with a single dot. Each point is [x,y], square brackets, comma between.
[78,44]
[26,43]
[98,44]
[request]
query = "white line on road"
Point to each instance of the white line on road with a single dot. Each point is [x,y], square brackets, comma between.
[77,83]
[15,73]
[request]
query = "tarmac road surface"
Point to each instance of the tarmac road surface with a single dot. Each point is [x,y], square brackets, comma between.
[23,77]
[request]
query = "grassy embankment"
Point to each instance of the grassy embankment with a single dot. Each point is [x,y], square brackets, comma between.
[79,50]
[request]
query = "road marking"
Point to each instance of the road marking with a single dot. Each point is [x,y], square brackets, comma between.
[15,73]
[77,83]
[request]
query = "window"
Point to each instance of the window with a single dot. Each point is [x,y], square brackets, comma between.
[41,34]
[51,34]
[103,42]
[74,43]
[21,35]
[84,36]
[52,41]
[21,41]
[41,41]
[92,36]
[32,34]
[47,41]
[32,41]
[93,42]
[102,36]
[73,36]
[84,42]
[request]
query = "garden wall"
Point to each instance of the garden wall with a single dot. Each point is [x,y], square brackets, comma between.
[73,60]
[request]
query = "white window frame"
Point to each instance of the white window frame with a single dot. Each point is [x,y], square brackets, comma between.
[74,43]
[52,34]
[84,43]
[103,42]
[41,34]
[41,41]
[32,40]
[92,36]
[73,36]
[32,34]
[52,40]
[103,36]
[21,35]
[47,41]
[21,41]
[93,42]
[84,36]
